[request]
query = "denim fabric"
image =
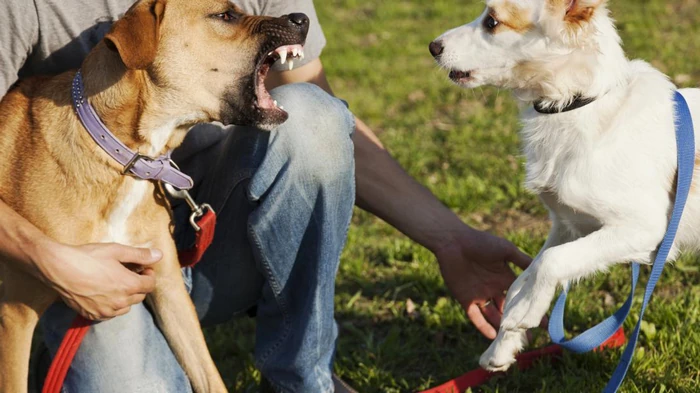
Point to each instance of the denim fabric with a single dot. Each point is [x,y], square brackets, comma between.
[284,201]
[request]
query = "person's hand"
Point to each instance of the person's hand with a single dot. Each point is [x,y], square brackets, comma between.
[474,267]
[99,281]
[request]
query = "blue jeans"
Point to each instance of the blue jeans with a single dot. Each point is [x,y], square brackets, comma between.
[284,201]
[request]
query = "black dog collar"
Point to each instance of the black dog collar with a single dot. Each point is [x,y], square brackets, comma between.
[578,102]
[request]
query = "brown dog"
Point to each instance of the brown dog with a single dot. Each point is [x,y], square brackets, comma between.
[165,66]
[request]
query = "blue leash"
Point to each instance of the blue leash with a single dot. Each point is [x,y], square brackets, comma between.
[595,336]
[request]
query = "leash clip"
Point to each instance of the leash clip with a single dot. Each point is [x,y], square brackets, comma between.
[197,210]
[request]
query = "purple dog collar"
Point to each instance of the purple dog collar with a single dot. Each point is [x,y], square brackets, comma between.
[135,164]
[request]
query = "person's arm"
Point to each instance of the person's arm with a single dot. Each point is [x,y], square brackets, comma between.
[473,263]
[91,278]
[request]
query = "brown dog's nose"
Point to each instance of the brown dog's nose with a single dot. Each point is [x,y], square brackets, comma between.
[436,48]
[299,19]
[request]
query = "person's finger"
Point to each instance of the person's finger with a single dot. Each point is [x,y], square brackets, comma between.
[88,316]
[502,286]
[490,312]
[506,280]
[519,258]
[477,318]
[135,299]
[134,255]
[143,283]
[121,311]
[97,316]
[500,303]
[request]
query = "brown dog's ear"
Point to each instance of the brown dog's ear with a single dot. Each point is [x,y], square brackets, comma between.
[135,35]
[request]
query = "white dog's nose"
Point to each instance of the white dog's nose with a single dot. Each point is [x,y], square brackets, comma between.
[436,48]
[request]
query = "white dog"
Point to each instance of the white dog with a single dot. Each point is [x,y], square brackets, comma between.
[599,141]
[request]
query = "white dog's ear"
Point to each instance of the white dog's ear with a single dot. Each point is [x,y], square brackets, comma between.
[569,19]
[579,12]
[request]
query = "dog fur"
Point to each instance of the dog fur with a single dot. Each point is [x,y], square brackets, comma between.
[606,171]
[165,66]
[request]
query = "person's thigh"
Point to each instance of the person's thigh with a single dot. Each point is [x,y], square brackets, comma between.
[305,190]
[226,282]
[124,354]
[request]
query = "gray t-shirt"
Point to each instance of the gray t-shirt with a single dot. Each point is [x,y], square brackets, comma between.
[45,37]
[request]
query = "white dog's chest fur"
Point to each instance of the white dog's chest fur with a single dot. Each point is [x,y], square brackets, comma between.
[132,194]
[609,161]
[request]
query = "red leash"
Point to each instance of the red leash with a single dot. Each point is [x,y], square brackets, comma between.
[74,336]
[525,360]
[66,353]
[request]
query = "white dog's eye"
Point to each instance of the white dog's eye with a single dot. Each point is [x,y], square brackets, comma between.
[490,22]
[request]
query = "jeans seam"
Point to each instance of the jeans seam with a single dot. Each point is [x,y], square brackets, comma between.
[242,176]
[280,300]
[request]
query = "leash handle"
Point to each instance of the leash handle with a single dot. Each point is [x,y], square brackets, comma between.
[685,142]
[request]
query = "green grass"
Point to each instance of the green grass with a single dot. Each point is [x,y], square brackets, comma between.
[464,146]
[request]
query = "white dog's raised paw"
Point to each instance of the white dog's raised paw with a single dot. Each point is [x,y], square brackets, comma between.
[493,366]
[501,353]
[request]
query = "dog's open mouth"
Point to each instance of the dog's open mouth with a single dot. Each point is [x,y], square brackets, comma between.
[460,77]
[286,55]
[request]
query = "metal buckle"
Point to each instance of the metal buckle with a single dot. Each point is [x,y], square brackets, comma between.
[197,210]
[132,162]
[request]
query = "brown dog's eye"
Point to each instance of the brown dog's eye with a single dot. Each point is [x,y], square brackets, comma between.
[490,22]
[228,16]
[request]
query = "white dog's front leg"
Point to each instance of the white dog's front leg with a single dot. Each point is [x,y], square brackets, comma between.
[561,264]
[558,235]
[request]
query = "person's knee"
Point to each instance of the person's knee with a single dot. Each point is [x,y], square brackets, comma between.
[318,133]
[127,353]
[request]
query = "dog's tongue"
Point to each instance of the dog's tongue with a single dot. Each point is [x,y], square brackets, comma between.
[265,101]
[263,96]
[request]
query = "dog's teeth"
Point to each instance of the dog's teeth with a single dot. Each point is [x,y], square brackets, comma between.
[291,64]
[283,57]
[301,54]
[281,107]
[275,102]
[294,52]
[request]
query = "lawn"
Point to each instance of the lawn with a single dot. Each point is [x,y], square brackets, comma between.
[464,146]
